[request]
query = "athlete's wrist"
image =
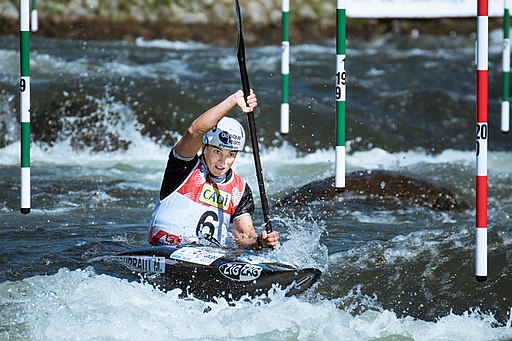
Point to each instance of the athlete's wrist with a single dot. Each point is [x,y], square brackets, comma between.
[233,101]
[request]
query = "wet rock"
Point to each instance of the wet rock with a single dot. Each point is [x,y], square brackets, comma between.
[386,187]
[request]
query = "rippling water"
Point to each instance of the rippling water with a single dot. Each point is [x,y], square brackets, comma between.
[104,116]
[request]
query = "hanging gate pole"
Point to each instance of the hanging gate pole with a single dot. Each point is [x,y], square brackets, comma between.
[25,105]
[341,86]
[482,130]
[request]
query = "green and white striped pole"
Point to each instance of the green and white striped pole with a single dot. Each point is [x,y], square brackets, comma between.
[285,69]
[341,84]
[34,17]
[25,105]
[505,103]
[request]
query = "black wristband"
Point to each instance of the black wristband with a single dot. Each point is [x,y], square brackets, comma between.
[259,243]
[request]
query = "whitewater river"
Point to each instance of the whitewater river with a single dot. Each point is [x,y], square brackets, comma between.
[104,116]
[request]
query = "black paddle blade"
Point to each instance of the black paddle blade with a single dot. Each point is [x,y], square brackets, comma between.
[241,52]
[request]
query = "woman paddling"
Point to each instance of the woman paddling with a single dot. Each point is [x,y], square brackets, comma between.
[200,194]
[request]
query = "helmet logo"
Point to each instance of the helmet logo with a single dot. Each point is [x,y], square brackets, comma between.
[229,139]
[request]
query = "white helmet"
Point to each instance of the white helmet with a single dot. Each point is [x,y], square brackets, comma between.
[228,134]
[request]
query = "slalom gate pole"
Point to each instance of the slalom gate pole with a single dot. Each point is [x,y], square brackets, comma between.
[505,103]
[482,130]
[34,16]
[252,122]
[285,69]
[25,105]
[341,85]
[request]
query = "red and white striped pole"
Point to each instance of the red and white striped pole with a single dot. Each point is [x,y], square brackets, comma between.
[481,139]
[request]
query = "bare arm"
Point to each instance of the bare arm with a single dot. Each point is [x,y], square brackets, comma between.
[192,140]
[244,233]
[247,238]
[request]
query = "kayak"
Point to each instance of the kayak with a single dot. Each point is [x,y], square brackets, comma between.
[208,272]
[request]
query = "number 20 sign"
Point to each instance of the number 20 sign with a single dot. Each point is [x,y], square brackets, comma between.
[481,137]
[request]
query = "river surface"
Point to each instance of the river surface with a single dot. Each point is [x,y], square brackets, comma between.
[104,116]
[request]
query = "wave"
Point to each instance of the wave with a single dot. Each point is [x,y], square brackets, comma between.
[171,45]
[82,304]
[144,152]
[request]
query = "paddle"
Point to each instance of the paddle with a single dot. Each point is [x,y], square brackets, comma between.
[250,116]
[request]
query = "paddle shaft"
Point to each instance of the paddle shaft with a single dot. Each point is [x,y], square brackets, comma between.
[252,122]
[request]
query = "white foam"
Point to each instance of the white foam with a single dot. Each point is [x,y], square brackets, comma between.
[283,167]
[9,63]
[79,304]
[171,45]
[405,248]
[380,158]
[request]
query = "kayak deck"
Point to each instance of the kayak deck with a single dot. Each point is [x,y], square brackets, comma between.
[208,272]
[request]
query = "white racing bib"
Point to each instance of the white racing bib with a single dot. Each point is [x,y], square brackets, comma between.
[198,208]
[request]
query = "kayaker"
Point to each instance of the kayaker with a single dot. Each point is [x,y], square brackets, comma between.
[200,194]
